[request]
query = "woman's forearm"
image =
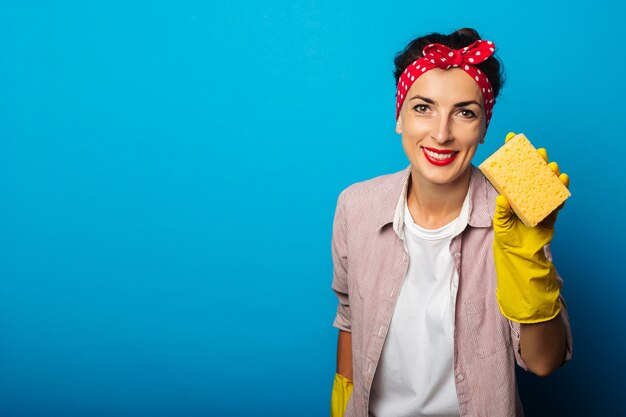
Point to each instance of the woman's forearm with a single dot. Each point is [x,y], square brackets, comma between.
[543,345]
[344,354]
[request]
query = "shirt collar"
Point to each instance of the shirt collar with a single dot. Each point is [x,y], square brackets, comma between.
[394,194]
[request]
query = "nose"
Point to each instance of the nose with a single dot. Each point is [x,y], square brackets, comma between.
[442,132]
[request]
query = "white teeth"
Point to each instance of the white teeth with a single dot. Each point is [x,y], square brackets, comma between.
[439,156]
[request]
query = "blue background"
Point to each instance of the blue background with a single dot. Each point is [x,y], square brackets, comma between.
[169,173]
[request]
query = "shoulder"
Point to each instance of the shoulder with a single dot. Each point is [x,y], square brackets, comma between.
[482,197]
[375,188]
[483,182]
[377,184]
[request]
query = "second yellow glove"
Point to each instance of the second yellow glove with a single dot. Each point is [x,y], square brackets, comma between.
[342,391]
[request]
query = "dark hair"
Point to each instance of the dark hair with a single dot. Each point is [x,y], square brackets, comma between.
[492,67]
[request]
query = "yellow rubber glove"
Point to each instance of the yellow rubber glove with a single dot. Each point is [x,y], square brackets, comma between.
[342,390]
[528,290]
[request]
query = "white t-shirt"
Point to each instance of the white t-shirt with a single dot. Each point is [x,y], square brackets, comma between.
[414,377]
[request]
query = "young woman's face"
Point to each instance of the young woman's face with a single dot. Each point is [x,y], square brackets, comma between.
[442,121]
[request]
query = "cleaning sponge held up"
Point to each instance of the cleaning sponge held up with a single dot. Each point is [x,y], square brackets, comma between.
[521,175]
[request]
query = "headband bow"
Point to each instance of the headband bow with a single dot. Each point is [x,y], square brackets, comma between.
[440,56]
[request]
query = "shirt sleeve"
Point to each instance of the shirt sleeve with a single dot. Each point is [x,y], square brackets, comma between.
[339,247]
[515,327]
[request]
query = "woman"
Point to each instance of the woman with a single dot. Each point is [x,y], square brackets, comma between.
[441,288]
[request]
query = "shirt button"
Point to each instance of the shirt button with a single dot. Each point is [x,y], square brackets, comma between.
[460,377]
[457,254]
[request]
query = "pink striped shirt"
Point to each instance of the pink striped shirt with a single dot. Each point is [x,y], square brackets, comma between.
[370,263]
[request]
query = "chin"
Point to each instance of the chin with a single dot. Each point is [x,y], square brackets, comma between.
[440,175]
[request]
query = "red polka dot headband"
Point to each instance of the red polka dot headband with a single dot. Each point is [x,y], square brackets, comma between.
[440,56]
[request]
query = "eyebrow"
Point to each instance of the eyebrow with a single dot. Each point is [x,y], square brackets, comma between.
[460,104]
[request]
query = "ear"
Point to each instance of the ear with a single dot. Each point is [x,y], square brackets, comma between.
[399,125]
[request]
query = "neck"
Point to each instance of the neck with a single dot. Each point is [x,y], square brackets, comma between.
[433,205]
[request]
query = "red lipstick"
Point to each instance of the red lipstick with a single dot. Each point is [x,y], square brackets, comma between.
[439,162]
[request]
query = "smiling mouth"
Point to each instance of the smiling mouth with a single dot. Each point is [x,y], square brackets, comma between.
[439,157]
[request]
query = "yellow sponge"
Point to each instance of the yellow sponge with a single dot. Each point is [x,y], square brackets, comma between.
[521,175]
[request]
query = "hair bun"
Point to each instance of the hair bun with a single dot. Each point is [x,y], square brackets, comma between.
[468,32]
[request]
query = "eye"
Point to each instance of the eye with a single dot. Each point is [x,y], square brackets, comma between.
[467,114]
[421,108]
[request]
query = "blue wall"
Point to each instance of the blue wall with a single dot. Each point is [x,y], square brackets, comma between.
[169,173]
